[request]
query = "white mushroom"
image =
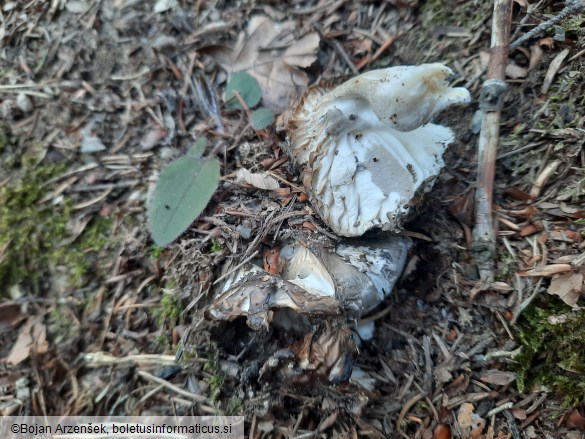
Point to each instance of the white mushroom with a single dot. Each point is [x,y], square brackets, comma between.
[366,147]
[315,279]
[367,151]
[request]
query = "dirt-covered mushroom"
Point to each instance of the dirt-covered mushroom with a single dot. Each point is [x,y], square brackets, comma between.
[366,151]
[315,277]
[366,148]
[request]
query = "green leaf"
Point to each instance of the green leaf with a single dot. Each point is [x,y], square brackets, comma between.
[182,192]
[261,118]
[246,86]
[198,148]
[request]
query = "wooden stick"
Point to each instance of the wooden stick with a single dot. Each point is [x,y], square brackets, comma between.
[483,247]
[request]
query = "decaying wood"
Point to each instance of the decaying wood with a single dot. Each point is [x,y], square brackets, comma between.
[484,241]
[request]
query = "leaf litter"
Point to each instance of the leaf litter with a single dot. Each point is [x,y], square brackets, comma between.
[274,55]
[441,341]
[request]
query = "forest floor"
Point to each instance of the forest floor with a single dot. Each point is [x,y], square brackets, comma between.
[97,96]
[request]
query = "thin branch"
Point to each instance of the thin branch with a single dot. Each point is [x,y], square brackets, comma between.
[483,246]
[571,8]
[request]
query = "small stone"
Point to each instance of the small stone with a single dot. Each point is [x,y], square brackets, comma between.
[24,103]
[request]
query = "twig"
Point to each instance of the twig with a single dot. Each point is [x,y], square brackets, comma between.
[503,354]
[470,397]
[500,409]
[522,305]
[512,426]
[543,178]
[192,396]
[571,7]
[237,267]
[383,48]
[103,359]
[341,51]
[336,45]
[428,364]
[407,406]
[483,247]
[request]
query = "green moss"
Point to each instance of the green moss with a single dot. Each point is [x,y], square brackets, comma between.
[574,24]
[470,15]
[506,266]
[217,378]
[156,251]
[235,407]
[169,310]
[34,234]
[28,228]
[3,139]
[216,246]
[553,355]
[61,325]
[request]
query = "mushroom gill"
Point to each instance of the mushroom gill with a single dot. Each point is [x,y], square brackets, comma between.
[366,148]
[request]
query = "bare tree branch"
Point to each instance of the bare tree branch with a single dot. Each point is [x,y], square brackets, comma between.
[571,7]
[484,242]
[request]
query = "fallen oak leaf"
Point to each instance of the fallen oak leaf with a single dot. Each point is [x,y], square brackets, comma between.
[302,52]
[272,54]
[568,287]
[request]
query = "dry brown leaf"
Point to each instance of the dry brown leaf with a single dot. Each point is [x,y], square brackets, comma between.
[152,138]
[326,354]
[568,287]
[10,316]
[32,338]
[547,41]
[270,259]
[302,52]
[258,180]
[271,53]
[515,71]
[501,286]
[575,420]
[553,68]
[536,54]
[471,423]
[546,270]
[519,413]
[497,377]
[565,235]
